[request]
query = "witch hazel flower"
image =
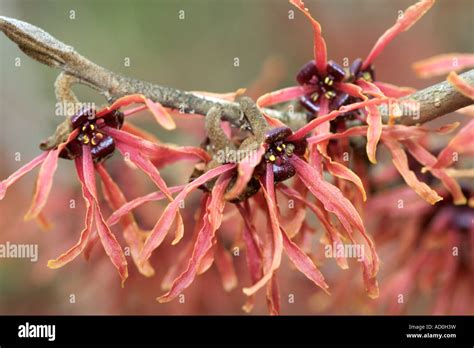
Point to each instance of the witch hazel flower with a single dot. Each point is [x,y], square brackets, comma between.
[93,138]
[272,155]
[326,86]
[435,259]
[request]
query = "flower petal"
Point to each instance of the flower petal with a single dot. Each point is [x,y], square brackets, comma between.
[443,64]
[79,247]
[303,131]
[400,161]
[460,143]
[20,172]
[161,153]
[43,184]
[162,116]
[304,263]
[409,17]
[374,131]
[394,91]
[109,242]
[253,251]
[159,231]
[427,159]
[205,238]
[131,232]
[270,199]
[319,46]
[461,85]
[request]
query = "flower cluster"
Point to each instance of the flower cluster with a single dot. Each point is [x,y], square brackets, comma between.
[267,176]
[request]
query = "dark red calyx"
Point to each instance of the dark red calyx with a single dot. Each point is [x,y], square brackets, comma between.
[307,74]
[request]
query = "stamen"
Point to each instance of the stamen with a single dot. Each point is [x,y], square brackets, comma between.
[272,158]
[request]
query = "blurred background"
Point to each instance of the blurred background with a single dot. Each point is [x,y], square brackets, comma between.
[150,40]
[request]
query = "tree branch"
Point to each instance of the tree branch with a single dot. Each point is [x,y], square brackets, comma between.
[433,101]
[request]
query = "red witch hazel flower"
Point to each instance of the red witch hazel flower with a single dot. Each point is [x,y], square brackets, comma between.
[326,86]
[269,156]
[434,256]
[93,138]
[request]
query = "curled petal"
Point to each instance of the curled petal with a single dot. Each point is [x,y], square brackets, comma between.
[270,199]
[20,172]
[335,202]
[111,246]
[304,263]
[370,88]
[394,91]
[159,231]
[341,171]
[400,161]
[253,251]
[461,85]
[131,232]
[205,238]
[443,64]
[427,159]
[161,114]
[331,231]
[460,143]
[409,17]
[43,184]
[354,90]
[273,296]
[245,171]
[374,131]
[77,249]
[319,46]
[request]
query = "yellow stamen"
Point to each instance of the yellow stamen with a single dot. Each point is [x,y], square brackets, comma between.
[91,127]
[283,146]
[85,139]
[83,128]
[366,76]
[272,158]
[94,142]
[278,148]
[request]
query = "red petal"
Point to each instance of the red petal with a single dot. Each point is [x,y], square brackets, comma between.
[73,252]
[161,114]
[443,64]
[273,296]
[394,91]
[460,143]
[303,131]
[111,246]
[304,263]
[461,85]
[43,184]
[159,231]
[319,48]
[269,193]
[131,232]
[331,231]
[370,88]
[205,238]
[335,202]
[400,161]
[20,172]
[352,89]
[163,154]
[427,159]
[410,17]
[253,251]
[374,131]
[245,171]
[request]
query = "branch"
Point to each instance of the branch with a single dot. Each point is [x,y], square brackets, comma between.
[433,101]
